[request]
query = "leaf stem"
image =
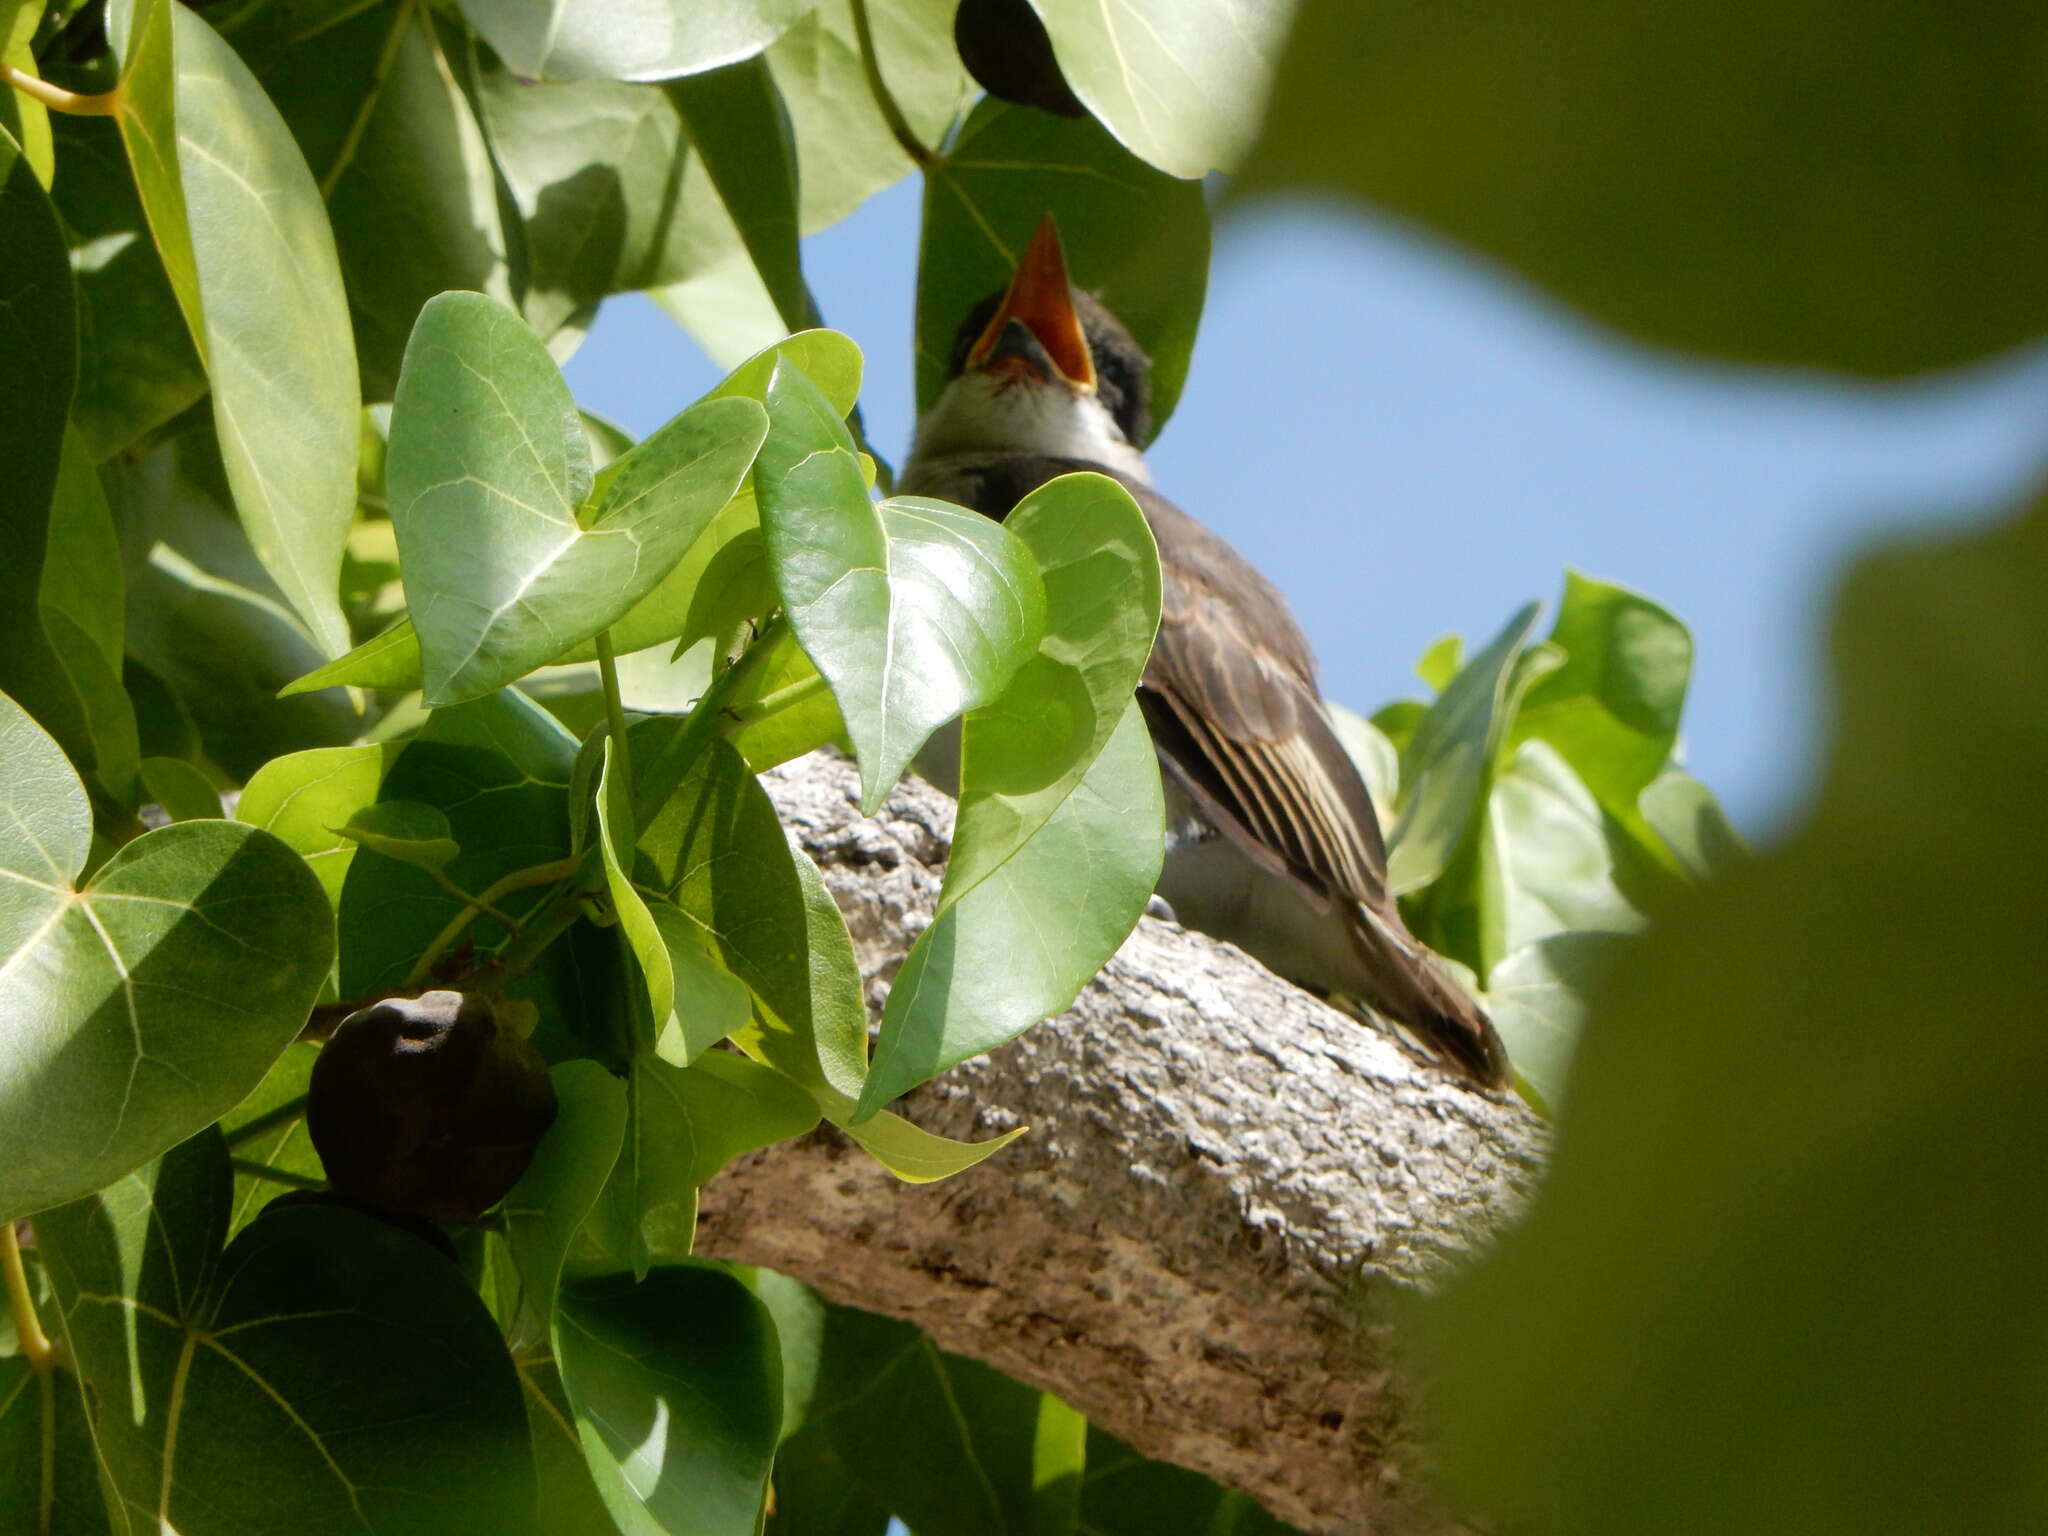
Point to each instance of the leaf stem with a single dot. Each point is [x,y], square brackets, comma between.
[480,903]
[614,708]
[786,697]
[518,880]
[36,1347]
[892,114]
[284,1114]
[57,99]
[257,1170]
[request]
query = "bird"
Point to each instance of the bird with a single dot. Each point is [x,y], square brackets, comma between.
[1272,842]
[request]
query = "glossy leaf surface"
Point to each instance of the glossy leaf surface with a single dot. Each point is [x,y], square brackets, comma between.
[913,610]
[505,568]
[1184,86]
[279,1385]
[142,1005]
[676,1387]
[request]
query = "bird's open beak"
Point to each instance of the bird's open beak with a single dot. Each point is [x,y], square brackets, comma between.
[1041,299]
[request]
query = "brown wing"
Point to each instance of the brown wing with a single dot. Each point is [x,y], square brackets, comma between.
[1230,694]
[1233,699]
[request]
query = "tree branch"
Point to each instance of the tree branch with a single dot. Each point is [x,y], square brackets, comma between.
[1225,1184]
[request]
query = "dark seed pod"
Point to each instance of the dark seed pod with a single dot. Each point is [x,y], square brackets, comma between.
[1005,47]
[428,1105]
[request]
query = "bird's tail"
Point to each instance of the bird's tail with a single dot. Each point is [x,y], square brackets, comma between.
[1416,992]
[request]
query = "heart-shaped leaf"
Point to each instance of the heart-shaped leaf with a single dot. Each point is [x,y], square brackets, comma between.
[281,1384]
[912,610]
[1612,709]
[1184,85]
[676,1385]
[1073,892]
[505,566]
[144,1005]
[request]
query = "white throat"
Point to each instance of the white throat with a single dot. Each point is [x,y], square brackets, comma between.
[980,414]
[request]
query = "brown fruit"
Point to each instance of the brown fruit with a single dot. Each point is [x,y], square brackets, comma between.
[428,1105]
[1006,48]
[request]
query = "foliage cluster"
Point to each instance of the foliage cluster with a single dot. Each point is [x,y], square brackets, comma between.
[299,507]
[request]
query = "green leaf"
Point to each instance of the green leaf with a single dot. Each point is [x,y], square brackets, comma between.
[1448,761]
[373,101]
[1126,1495]
[304,797]
[82,595]
[389,660]
[1024,753]
[676,1387]
[1793,184]
[22,117]
[602,175]
[1022,942]
[785,709]
[1134,236]
[719,1109]
[918,1156]
[39,343]
[1795,1205]
[47,1481]
[1442,662]
[505,567]
[816,1493]
[224,650]
[1542,861]
[1184,86]
[844,148]
[140,369]
[693,1001]
[567,1175]
[284,1381]
[498,768]
[944,1442]
[1537,1000]
[1612,709]
[245,240]
[569,1502]
[741,133]
[404,830]
[723,580]
[183,791]
[283,1143]
[587,40]
[1690,822]
[913,610]
[829,359]
[711,841]
[142,1006]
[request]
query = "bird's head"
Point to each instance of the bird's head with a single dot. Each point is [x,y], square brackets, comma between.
[1042,367]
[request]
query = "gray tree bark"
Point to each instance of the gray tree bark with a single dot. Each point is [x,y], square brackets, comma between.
[1225,1184]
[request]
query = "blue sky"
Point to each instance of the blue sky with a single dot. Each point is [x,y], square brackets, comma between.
[1411,442]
